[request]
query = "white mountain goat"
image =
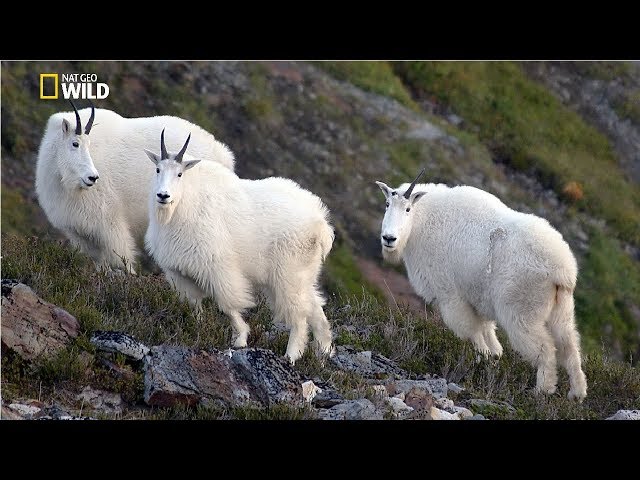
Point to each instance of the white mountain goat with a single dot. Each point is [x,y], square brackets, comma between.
[483,263]
[93,185]
[217,235]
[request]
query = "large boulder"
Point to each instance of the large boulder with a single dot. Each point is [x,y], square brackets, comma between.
[248,377]
[32,327]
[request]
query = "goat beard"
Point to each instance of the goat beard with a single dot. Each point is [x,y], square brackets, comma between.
[394,257]
[164,213]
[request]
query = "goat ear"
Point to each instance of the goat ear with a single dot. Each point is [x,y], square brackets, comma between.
[385,188]
[190,163]
[152,156]
[416,196]
[66,126]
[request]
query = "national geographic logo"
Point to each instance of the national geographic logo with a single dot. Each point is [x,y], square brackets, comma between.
[73,85]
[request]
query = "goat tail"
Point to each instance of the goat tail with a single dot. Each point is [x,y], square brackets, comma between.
[326,236]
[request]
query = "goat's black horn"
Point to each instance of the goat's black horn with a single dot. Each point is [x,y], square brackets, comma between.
[163,150]
[89,124]
[184,149]
[78,124]
[407,194]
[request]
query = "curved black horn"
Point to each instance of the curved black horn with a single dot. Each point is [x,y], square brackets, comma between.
[184,149]
[78,124]
[407,194]
[87,127]
[163,150]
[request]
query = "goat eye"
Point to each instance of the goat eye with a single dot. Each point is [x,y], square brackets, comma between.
[407,209]
[387,204]
[75,144]
[180,174]
[157,170]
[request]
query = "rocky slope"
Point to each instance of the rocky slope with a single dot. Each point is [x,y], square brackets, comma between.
[245,383]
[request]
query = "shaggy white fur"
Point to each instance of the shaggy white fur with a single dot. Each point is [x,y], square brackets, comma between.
[483,263]
[94,187]
[216,235]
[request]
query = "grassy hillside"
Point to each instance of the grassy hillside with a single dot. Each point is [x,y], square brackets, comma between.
[146,308]
[523,125]
[337,126]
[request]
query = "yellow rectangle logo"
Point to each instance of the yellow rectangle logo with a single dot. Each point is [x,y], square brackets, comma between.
[55,79]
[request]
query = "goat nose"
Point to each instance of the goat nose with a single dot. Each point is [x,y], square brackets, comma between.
[163,196]
[389,238]
[93,178]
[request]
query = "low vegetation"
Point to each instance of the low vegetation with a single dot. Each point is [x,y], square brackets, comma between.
[147,308]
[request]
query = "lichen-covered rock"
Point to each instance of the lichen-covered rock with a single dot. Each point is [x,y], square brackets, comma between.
[399,409]
[108,402]
[327,398]
[437,387]
[625,415]
[420,400]
[176,375]
[119,342]
[271,374]
[438,414]
[32,327]
[368,364]
[250,377]
[361,409]
[309,391]
[455,388]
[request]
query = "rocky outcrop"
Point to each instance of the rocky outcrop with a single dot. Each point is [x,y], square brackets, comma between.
[249,377]
[625,415]
[597,100]
[118,342]
[366,363]
[32,327]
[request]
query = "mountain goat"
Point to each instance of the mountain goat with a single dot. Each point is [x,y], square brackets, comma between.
[217,235]
[93,186]
[483,263]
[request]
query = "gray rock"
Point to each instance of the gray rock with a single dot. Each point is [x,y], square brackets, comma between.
[437,387]
[438,414]
[22,411]
[270,373]
[7,413]
[455,388]
[447,405]
[180,375]
[463,413]
[361,409]
[368,364]
[119,342]
[32,327]
[477,416]
[625,415]
[399,409]
[327,398]
[309,391]
[421,401]
[101,400]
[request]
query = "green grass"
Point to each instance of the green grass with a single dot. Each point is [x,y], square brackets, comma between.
[629,106]
[524,125]
[343,275]
[376,77]
[608,288]
[17,213]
